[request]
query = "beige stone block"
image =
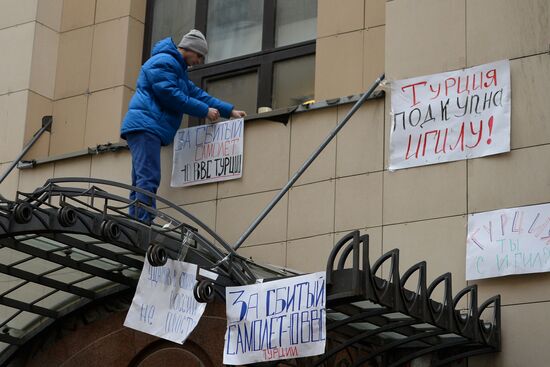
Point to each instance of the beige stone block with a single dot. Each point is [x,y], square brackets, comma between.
[49,13]
[375,13]
[311,210]
[181,195]
[530,108]
[508,180]
[134,49]
[205,212]
[308,131]
[439,242]
[360,144]
[106,109]
[272,254]
[13,111]
[358,202]
[74,167]
[17,45]
[8,187]
[32,178]
[505,30]
[375,245]
[525,335]
[265,159]
[108,9]
[234,216]
[69,117]
[309,254]
[337,76]
[16,12]
[424,37]
[115,167]
[37,108]
[373,58]
[425,192]
[112,46]
[514,289]
[73,62]
[44,61]
[138,9]
[77,14]
[335,17]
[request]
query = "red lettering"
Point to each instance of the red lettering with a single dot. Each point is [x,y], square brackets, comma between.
[448,85]
[415,102]
[466,88]
[426,140]
[407,156]
[444,145]
[474,87]
[479,133]
[492,75]
[433,91]
[460,140]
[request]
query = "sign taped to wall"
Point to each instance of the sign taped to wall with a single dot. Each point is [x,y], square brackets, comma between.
[508,241]
[164,304]
[450,116]
[276,320]
[208,153]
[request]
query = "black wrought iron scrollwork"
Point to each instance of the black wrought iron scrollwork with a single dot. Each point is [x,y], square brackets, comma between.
[111,230]
[156,255]
[23,213]
[67,216]
[204,291]
[472,333]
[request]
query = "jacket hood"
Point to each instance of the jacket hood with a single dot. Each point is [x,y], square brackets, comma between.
[167,46]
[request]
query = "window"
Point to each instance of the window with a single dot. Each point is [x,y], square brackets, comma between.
[233,28]
[261,52]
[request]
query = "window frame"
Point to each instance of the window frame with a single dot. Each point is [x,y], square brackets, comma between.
[263,60]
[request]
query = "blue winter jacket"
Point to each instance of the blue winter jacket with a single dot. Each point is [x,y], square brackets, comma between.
[164,93]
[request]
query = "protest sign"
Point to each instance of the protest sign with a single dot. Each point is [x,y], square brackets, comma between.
[208,153]
[164,304]
[450,116]
[508,241]
[276,320]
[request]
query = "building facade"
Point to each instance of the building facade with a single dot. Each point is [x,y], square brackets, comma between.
[78,60]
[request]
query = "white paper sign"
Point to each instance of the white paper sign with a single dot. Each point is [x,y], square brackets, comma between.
[276,320]
[450,116]
[164,304]
[208,153]
[508,241]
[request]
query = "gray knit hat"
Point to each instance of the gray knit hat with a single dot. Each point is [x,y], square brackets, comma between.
[194,41]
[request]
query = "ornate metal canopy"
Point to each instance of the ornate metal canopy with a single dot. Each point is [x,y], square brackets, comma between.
[72,242]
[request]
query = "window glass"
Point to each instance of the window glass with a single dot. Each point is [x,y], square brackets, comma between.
[296,21]
[172,18]
[293,81]
[234,28]
[240,90]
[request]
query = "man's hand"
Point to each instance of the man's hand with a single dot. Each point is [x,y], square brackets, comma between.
[238,114]
[213,114]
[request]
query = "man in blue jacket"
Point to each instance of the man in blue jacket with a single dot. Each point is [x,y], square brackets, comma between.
[163,94]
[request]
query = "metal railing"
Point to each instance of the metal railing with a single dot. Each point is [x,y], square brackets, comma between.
[46,126]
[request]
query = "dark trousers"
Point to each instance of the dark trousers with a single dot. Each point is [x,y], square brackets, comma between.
[145,150]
